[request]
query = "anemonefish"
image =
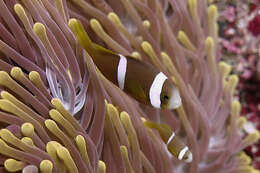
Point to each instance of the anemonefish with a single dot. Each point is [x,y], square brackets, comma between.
[173,142]
[140,80]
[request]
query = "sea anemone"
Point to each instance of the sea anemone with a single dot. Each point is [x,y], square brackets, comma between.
[58,113]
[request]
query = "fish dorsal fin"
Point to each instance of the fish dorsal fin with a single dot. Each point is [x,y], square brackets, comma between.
[163,129]
[152,124]
[102,50]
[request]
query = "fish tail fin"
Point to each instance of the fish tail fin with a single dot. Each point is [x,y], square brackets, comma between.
[82,36]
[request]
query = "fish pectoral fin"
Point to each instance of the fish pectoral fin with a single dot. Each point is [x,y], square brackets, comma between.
[138,92]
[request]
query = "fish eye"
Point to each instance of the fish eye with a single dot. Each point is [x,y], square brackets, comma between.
[165,97]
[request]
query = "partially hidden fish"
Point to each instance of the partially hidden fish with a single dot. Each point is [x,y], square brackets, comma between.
[139,79]
[173,142]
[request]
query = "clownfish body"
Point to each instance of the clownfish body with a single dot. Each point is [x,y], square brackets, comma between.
[173,142]
[140,80]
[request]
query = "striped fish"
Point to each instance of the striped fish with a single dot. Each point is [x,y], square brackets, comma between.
[140,80]
[173,142]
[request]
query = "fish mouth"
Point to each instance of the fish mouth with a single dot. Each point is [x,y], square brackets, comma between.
[175,104]
[175,100]
[189,158]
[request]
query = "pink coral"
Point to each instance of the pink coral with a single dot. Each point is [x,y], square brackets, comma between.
[254,25]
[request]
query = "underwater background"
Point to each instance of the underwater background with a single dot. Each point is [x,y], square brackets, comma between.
[58,113]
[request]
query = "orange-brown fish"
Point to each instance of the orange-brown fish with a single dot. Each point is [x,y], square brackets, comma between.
[140,80]
[173,142]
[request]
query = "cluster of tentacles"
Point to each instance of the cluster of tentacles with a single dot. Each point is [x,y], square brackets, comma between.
[59,114]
